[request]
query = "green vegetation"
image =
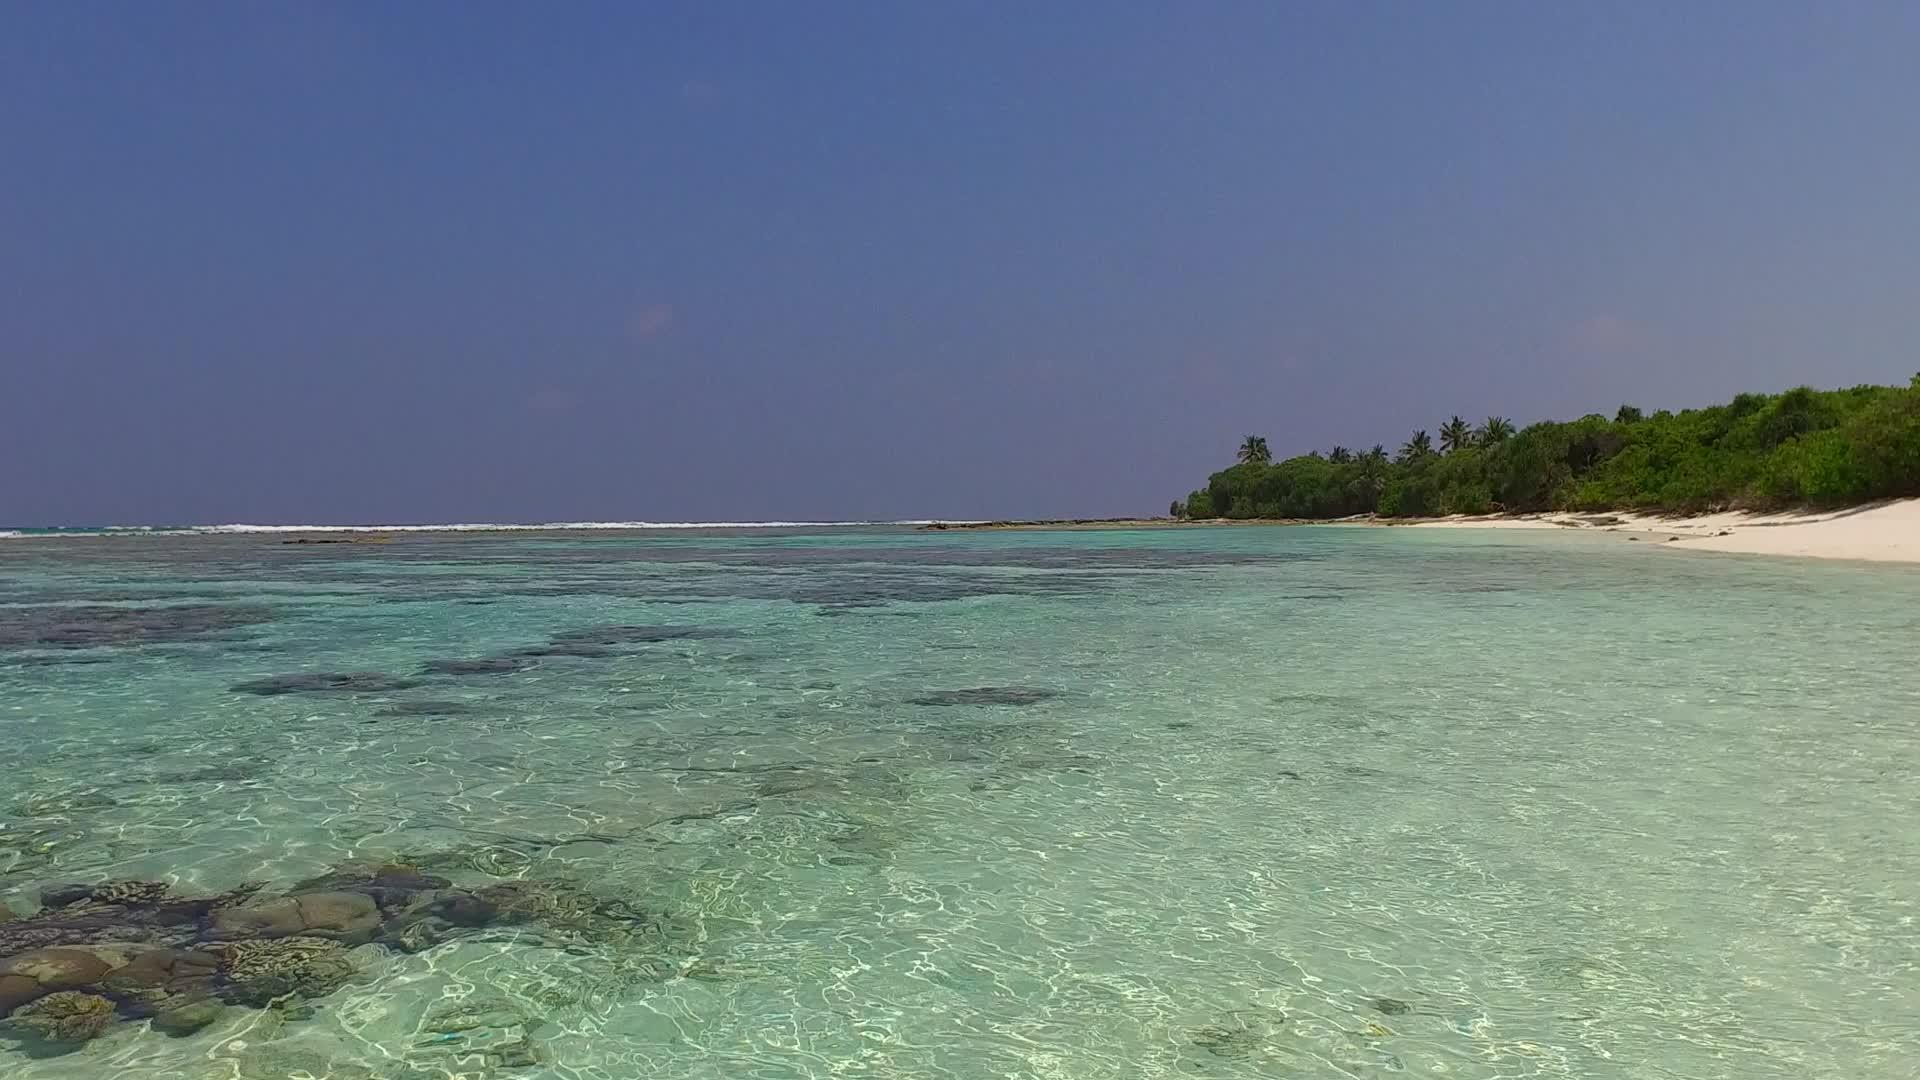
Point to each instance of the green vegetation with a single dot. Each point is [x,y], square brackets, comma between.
[1803,447]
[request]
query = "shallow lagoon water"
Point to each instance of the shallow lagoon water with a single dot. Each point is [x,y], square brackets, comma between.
[1287,802]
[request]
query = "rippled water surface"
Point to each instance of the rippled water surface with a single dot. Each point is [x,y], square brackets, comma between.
[882,803]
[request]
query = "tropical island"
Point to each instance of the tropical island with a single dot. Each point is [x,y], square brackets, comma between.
[1803,448]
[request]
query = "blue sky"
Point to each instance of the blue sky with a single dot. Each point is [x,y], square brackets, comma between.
[430,262]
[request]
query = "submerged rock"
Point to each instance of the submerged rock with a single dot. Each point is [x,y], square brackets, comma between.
[188,1017]
[345,916]
[58,968]
[464,909]
[1234,1043]
[389,885]
[279,917]
[1243,1035]
[415,936]
[1391,1006]
[519,1054]
[591,652]
[349,682]
[524,901]
[151,895]
[492,665]
[468,1014]
[116,924]
[66,1016]
[986,695]
[137,974]
[57,896]
[15,991]
[161,979]
[621,634]
[135,949]
[61,626]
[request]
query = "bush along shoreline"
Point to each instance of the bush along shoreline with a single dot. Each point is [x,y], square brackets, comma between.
[1804,447]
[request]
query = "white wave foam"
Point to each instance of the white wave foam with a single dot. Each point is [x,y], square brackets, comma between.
[493,526]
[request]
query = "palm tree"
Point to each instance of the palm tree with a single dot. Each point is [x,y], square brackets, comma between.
[1497,429]
[1417,447]
[1253,450]
[1373,470]
[1340,455]
[1455,434]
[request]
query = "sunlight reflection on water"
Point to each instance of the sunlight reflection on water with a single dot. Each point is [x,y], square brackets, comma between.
[1206,803]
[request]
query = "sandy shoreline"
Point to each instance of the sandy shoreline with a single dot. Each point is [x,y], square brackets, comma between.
[1878,532]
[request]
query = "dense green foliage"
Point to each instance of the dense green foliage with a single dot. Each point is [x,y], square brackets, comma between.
[1803,447]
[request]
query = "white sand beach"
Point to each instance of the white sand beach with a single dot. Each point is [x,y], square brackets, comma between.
[1879,532]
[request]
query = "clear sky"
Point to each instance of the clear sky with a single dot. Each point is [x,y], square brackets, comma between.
[429,262]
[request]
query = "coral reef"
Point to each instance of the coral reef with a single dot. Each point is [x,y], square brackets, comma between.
[65,1016]
[258,971]
[136,949]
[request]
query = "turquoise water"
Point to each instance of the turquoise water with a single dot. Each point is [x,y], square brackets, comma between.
[1262,802]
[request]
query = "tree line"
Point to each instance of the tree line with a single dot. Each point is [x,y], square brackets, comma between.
[1801,447]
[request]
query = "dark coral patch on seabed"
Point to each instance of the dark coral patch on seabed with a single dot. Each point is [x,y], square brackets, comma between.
[489,665]
[986,695]
[638,635]
[61,626]
[325,682]
[94,953]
